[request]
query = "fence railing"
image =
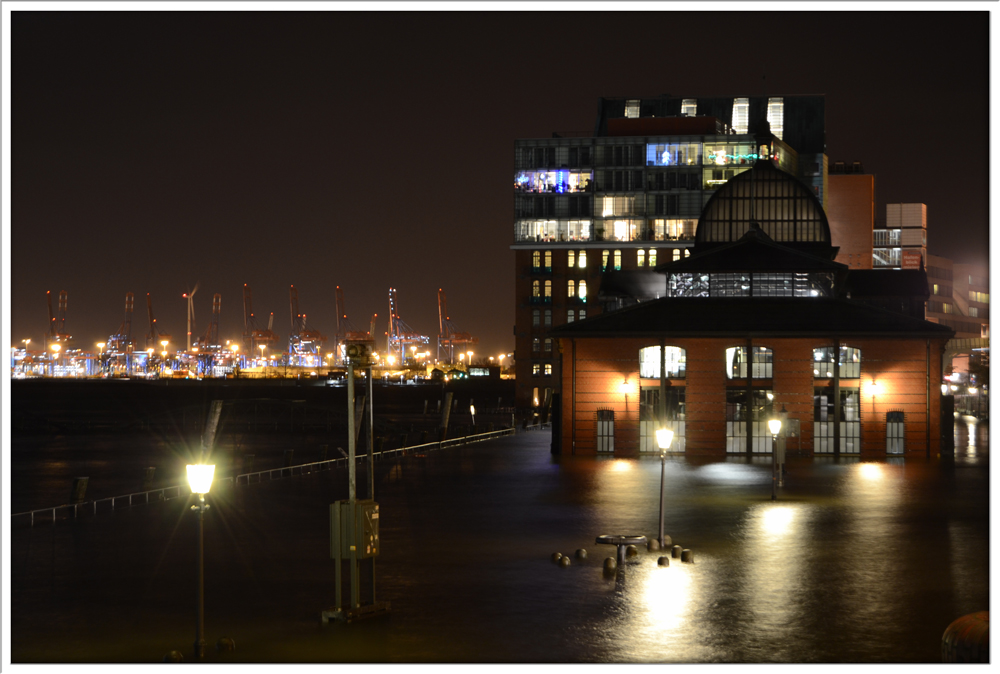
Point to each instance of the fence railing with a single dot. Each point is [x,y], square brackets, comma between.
[111,503]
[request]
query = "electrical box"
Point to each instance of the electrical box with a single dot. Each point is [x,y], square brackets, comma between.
[354,527]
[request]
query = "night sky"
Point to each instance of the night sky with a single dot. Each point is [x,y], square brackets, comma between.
[154,150]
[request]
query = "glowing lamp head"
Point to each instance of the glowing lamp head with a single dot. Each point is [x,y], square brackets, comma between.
[774,425]
[624,387]
[56,348]
[472,410]
[664,436]
[200,478]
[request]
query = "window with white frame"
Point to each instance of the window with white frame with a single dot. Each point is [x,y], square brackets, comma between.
[776,116]
[689,107]
[632,108]
[741,114]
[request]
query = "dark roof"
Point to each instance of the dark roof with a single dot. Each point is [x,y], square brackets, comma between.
[754,251]
[641,284]
[752,316]
[887,283]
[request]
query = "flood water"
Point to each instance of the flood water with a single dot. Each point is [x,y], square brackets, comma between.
[855,562]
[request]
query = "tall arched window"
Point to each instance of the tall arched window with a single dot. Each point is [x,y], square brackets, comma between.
[661,407]
[738,363]
[548,292]
[536,289]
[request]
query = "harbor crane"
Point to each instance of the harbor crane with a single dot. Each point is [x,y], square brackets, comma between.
[57,326]
[347,333]
[401,335]
[253,335]
[154,337]
[448,335]
[302,342]
[121,343]
[210,340]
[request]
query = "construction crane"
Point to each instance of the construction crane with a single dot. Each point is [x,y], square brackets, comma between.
[154,337]
[347,333]
[253,335]
[57,326]
[401,335]
[210,340]
[448,335]
[302,342]
[189,296]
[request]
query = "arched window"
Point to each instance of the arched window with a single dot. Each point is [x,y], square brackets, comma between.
[548,291]
[536,260]
[581,290]
[536,289]
[649,362]
[737,362]
[548,260]
[850,362]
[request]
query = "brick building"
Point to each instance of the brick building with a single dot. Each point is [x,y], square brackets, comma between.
[757,321]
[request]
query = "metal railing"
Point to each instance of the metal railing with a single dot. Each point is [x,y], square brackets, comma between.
[111,503]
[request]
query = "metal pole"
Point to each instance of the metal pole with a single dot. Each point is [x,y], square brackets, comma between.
[774,465]
[663,474]
[371,430]
[351,438]
[199,635]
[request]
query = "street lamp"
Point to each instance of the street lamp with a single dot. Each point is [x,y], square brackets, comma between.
[774,425]
[664,436]
[472,413]
[200,480]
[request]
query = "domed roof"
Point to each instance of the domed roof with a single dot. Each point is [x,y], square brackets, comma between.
[783,207]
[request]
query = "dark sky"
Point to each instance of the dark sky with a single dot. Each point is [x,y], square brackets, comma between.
[151,150]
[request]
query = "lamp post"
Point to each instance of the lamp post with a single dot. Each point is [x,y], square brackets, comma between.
[663,438]
[774,425]
[200,480]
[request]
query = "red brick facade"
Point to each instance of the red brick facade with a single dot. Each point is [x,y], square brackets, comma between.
[603,373]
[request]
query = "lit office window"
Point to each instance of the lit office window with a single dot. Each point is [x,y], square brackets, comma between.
[548,260]
[581,259]
[571,289]
[582,292]
[776,116]
[536,289]
[604,260]
[548,292]
[652,257]
[536,369]
[741,114]
[548,345]
[536,259]
[571,258]
[677,254]
[632,109]
[583,314]
[640,258]
[737,362]
[548,369]
[689,107]
[618,260]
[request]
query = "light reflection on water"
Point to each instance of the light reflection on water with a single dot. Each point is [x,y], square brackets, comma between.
[857,561]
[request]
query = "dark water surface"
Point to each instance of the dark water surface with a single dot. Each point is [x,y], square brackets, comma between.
[855,562]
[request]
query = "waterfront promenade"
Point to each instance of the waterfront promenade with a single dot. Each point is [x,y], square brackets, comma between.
[855,562]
